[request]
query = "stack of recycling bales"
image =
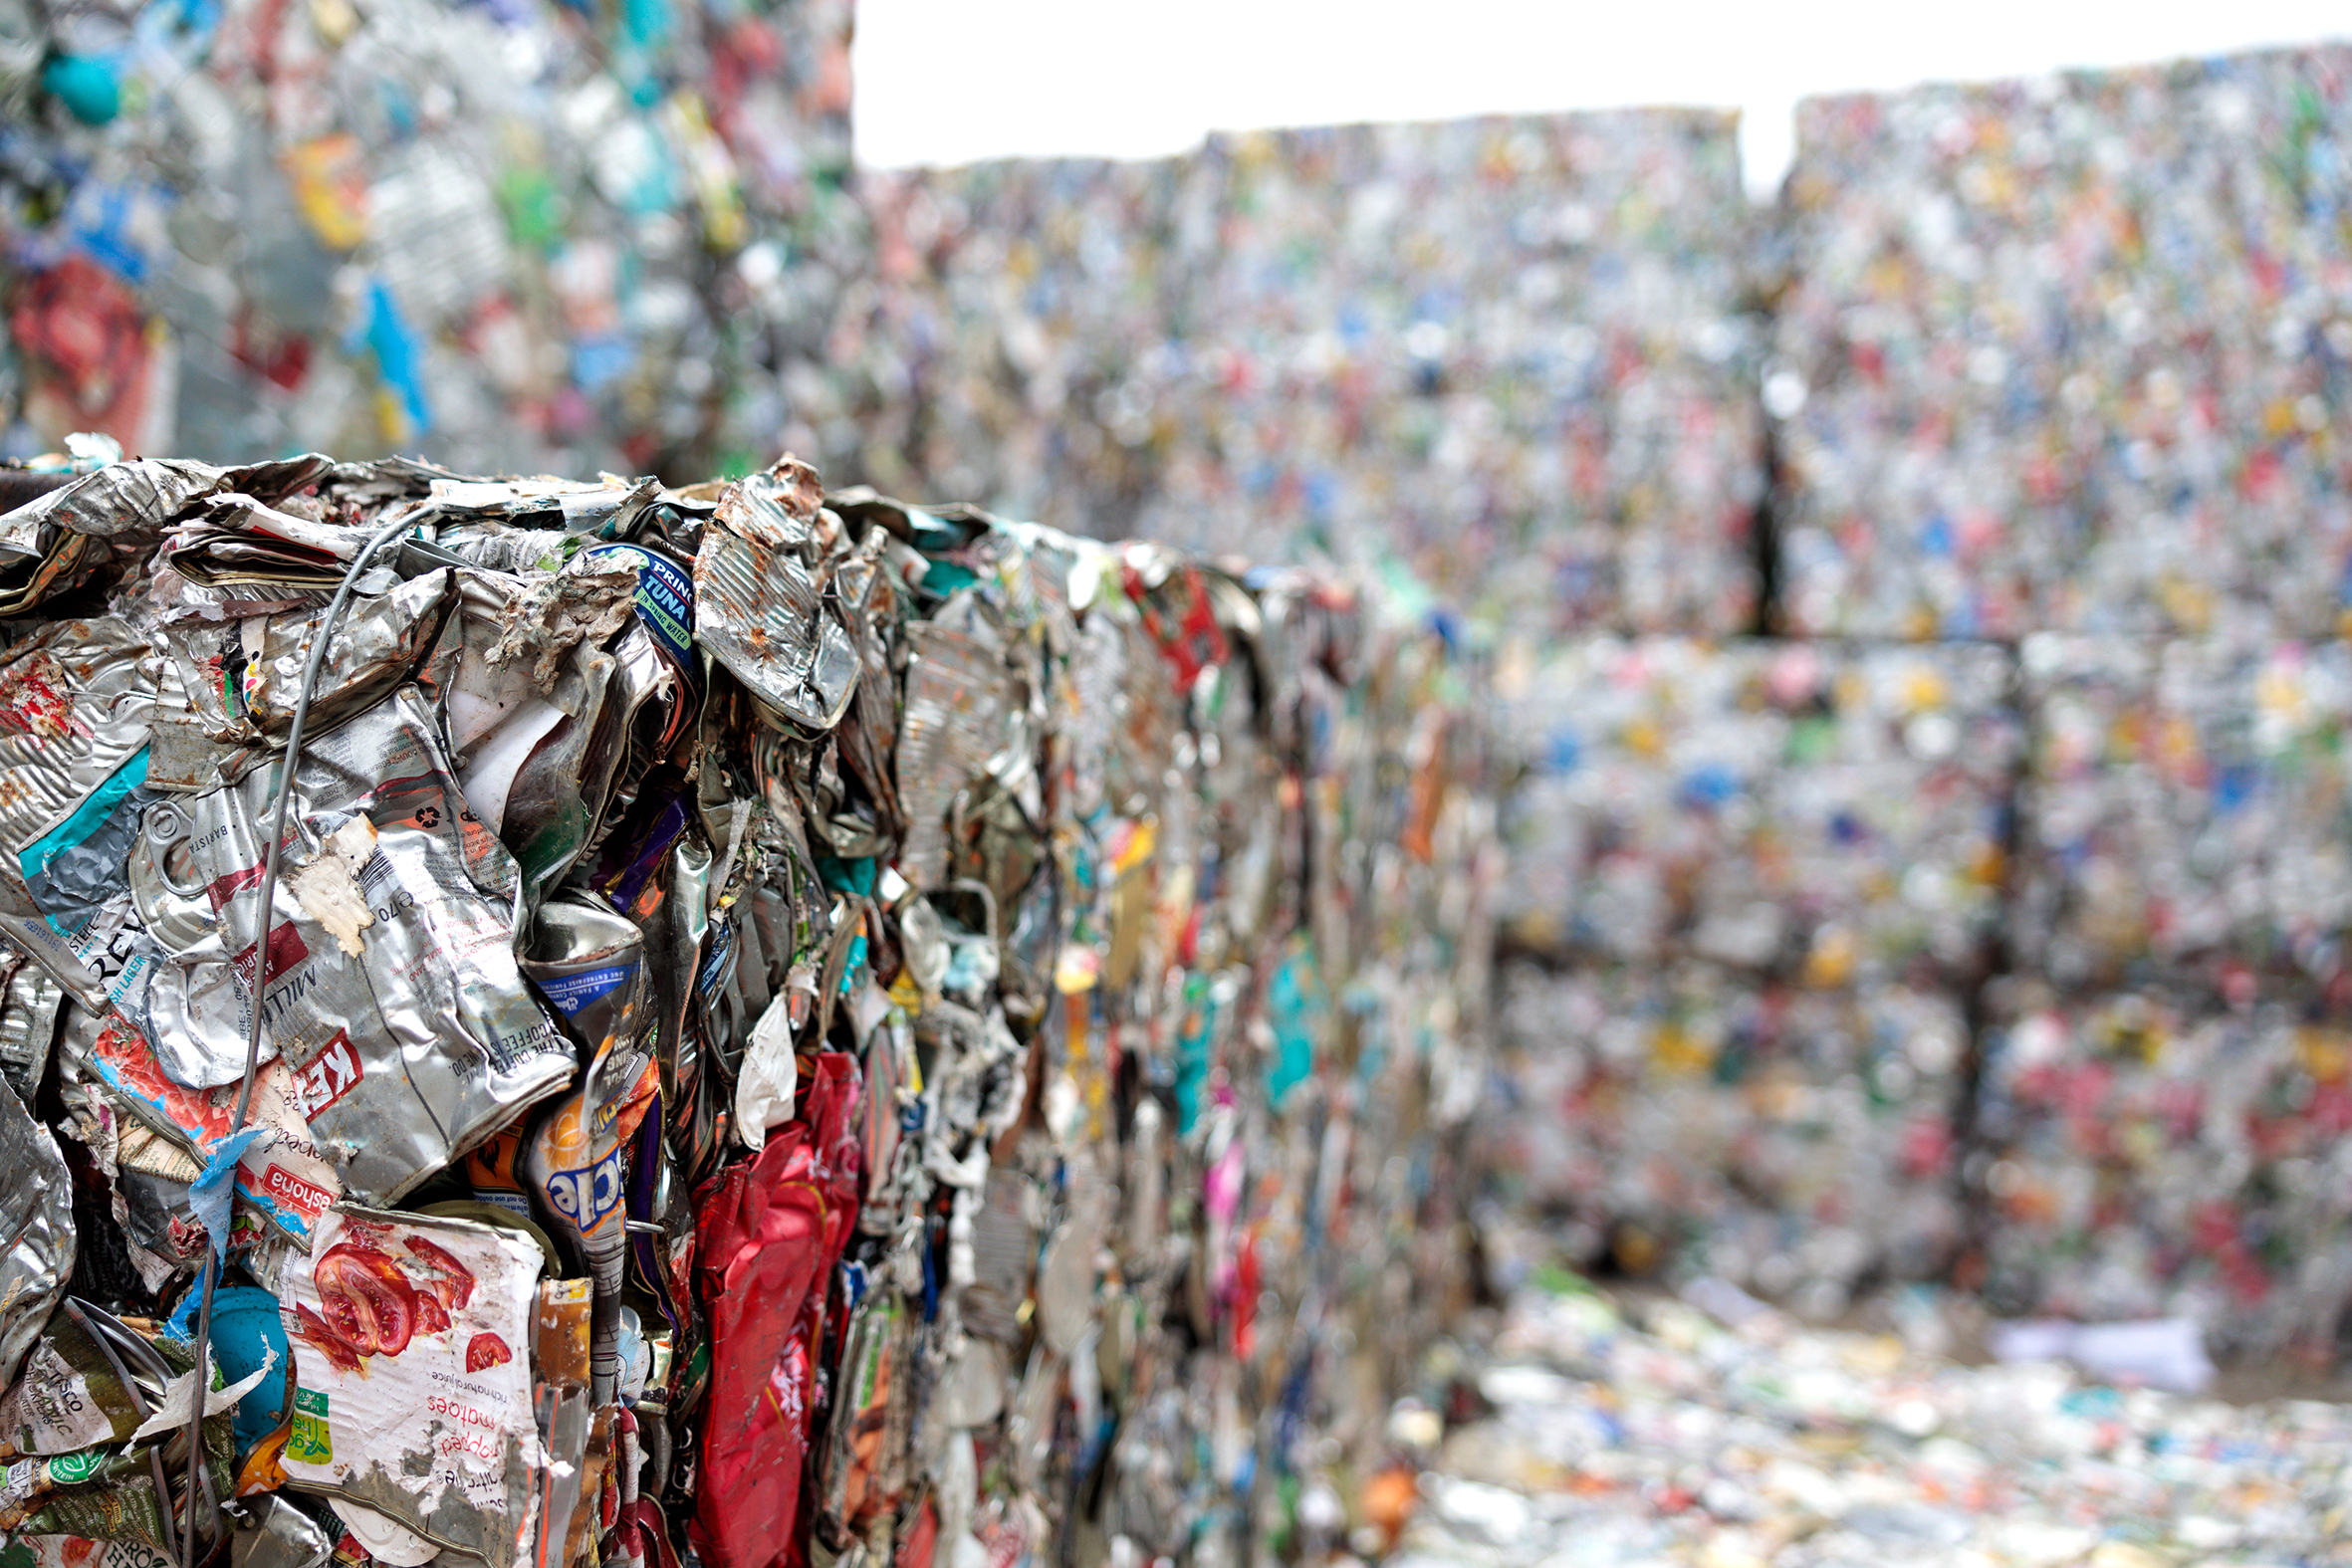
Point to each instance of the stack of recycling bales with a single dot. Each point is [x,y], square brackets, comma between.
[2056,380]
[2062,355]
[1773,869]
[1508,365]
[1509,357]
[2063,362]
[1827,937]
[529,236]
[1524,347]
[1996,914]
[790,1026]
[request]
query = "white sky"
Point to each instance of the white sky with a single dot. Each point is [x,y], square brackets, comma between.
[942,81]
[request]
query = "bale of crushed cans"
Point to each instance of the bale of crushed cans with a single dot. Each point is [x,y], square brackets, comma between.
[2155,1151]
[565,238]
[1037,321]
[2186,814]
[2054,374]
[1761,880]
[2019,969]
[1821,814]
[2163,1095]
[1514,352]
[609,1023]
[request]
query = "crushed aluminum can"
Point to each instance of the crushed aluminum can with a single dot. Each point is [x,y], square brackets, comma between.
[29,1011]
[664,602]
[390,985]
[589,963]
[959,695]
[654,709]
[77,703]
[533,736]
[564,700]
[278,1535]
[144,495]
[283,1175]
[761,580]
[673,938]
[242,677]
[412,1342]
[36,1208]
[861,1472]
[236,542]
[24,586]
[70,1395]
[583,507]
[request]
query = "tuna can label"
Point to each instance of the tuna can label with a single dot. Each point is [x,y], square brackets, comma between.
[665,598]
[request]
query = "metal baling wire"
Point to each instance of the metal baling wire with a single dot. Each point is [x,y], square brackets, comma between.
[261,986]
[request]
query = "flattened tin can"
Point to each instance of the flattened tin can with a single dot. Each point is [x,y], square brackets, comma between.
[412,1367]
[388,978]
[760,586]
[37,1210]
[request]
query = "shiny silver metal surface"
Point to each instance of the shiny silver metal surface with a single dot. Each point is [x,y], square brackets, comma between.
[761,582]
[36,1219]
[390,985]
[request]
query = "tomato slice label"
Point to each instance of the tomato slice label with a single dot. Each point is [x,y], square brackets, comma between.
[367,1300]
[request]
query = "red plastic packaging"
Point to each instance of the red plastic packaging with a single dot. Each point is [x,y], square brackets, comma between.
[770,1232]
